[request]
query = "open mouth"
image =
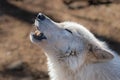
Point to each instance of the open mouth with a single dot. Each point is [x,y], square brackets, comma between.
[38,35]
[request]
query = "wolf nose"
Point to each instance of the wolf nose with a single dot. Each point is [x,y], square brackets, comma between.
[41,16]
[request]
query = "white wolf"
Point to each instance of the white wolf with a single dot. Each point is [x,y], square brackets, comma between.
[73,52]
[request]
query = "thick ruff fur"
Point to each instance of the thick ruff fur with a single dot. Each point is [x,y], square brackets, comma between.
[73,53]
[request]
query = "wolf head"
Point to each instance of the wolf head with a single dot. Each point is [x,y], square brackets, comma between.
[68,42]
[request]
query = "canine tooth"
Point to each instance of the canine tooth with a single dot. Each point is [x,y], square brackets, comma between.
[37,32]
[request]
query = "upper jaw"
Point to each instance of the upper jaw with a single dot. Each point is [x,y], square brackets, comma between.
[42,23]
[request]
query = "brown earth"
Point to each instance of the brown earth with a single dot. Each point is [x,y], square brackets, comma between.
[22,60]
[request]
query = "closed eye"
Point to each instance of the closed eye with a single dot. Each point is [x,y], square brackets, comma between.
[68,31]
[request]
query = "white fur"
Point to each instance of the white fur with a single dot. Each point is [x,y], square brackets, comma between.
[66,53]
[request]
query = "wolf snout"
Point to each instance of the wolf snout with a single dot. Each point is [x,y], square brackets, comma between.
[41,16]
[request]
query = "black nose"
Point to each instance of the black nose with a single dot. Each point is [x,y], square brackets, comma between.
[41,16]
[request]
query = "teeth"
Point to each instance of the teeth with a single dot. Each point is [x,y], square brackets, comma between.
[37,32]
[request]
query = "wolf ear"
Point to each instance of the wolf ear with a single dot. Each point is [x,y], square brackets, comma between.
[100,54]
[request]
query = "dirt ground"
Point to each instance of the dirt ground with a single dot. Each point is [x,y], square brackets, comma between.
[22,60]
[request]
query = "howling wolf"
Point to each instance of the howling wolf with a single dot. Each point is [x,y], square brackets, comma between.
[73,52]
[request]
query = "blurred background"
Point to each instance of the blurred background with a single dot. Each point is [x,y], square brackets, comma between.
[22,60]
